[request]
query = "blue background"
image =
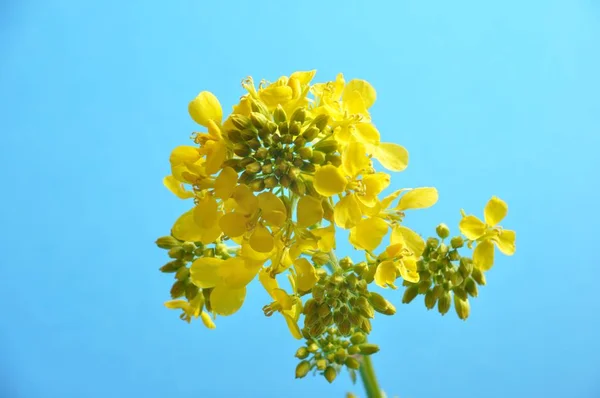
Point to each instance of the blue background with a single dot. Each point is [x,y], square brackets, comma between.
[490,98]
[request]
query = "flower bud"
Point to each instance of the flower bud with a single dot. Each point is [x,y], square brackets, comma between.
[294,131]
[271,182]
[345,327]
[259,120]
[321,364]
[254,144]
[178,289]
[352,363]
[318,157]
[167,242]
[478,276]
[176,252]
[259,106]
[248,134]
[241,149]
[257,185]
[423,286]
[462,307]
[380,304]
[453,255]
[240,121]
[311,133]
[305,152]
[457,242]
[326,146]
[444,303]
[254,167]
[320,121]
[340,355]
[410,293]
[466,267]
[358,338]
[433,243]
[279,115]
[234,136]
[261,153]
[430,299]
[368,349]
[302,369]
[334,159]
[191,291]
[302,353]
[442,231]
[330,374]
[188,247]
[471,287]
[299,115]
[460,292]
[172,266]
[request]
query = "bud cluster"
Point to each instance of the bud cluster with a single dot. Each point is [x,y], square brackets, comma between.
[273,150]
[445,276]
[331,351]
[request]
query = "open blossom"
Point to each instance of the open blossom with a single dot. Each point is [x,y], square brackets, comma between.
[270,184]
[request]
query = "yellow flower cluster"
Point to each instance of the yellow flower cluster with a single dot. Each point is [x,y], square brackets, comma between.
[270,183]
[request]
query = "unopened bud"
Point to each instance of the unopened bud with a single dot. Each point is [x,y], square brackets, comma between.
[433,243]
[299,115]
[248,134]
[471,287]
[368,349]
[381,305]
[302,353]
[321,364]
[240,121]
[466,267]
[320,121]
[358,338]
[172,266]
[410,293]
[326,146]
[298,187]
[241,149]
[352,363]
[330,374]
[430,300]
[478,276]
[302,369]
[167,242]
[462,307]
[191,291]
[457,242]
[318,157]
[176,252]
[460,292]
[442,231]
[178,289]
[271,182]
[259,120]
[334,159]
[444,303]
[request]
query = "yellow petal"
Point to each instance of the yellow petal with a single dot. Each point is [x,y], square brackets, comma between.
[273,209]
[483,255]
[204,272]
[408,269]
[385,275]
[184,154]
[185,228]
[354,159]
[327,238]
[347,212]
[177,188]
[211,234]
[269,283]
[226,301]
[261,239]
[329,180]
[495,211]
[306,274]
[309,211]
[207,321]
[472,227]
[233,224]
[368,233]
[293,326]
[205,107]
[274,95]
[354,104]
[216,157]
[391,156]
[285,300]
[205,212]
[177,305]
[225,183]
[374,184]
[364,88]
[366,133]
[236,273]
[410,238]
[245,199]
[249,253]
[387,201]
[418,198]
[304,77]
[506,241]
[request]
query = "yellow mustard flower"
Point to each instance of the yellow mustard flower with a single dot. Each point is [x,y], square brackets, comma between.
[191,309]
[489,233]
[288,305]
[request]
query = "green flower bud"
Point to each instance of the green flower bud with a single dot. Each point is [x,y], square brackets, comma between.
[254,144]
[345,327]
[478,276]
[248,134]
[279,115]
[324,310]
[261,153]
[287,138]
[430,300]
[380,304]
[254,167]
[466,267]
[302,353]
[299,143]
[444,303]
[167,242]
[443,249]
[340,355]
[457,242]
[178,289]
[318,157]
[285,181]
[299,115]
[326,146]
[352,363]
[321,364]
[271,182]
[191,291]
[432,243]
[410,293]
[368,349]
[462,307]
[176,252]
[334,159]
[311,305]
[188,247]
[302,369]
[294,131]
[241,149]
[172,266]
[366,325]
[312,348]
[317,329]
[310,134]
[258,120]
[471,287]
[330,374]
[305,152]
[423,286]
[453,255]
[245,178]
[442,231]
[460,292]
[240,121]
[234,136]
[182,273]
[358,338]
[283,128]
[257,185]
[298,187]
[259,106]
[437,291]
[320,121]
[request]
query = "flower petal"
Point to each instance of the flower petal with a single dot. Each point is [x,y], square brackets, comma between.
[225,183]
[177,187]
[355,159]
[236,273]
[327,238]
[245,199]
[226,301]
[385,275]
[204,272]
[206,212]
[368,233]
[408,269]
[472,227]
[506,241]
[233,224]
[215,157]
[366,133]
[273,209]
[207,321]
[185,228]
[309,211]
[364,88]
[495,210]
[292,325]
[483,255]
[347,212]
[306,274]
[391,156]
[184,154]
[410,238]
[261,239]
[205,107]
[329,180]
[418,198]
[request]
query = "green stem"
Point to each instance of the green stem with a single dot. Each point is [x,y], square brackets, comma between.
[367,374]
